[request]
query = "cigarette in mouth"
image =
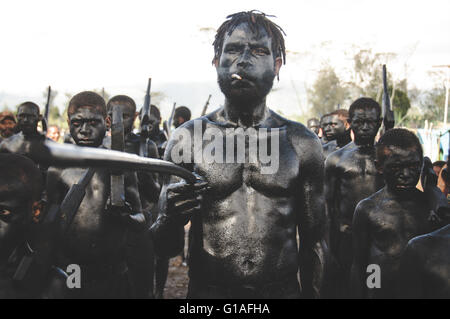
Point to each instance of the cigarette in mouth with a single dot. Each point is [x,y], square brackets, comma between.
[236,76]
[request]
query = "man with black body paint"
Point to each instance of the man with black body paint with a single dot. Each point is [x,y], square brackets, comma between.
[140,247]
[243,222]
[28,118]
[384,222]
[350,176]
[182,115]
[96,240]
[314,125]
[323,119]
[20,191]
[425,266]
[336,129]
[425,263]
[156,134]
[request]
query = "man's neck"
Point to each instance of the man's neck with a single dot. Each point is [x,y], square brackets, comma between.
[31,134]
[404,195]
[154,134]
[245,115]
[365,143]
[343,139]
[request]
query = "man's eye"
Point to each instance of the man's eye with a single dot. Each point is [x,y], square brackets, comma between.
[260,51]
[76,123]
[5,212]
[93,122]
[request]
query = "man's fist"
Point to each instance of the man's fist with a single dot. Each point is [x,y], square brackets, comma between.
[184,200]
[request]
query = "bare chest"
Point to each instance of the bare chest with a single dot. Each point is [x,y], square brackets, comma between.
[394,225]
[266,162]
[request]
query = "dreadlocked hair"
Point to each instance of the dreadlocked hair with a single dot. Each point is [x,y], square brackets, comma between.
[254,19]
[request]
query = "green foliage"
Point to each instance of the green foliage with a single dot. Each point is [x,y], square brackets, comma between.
[432,105]
[367,73]
[327,92]
[400,105]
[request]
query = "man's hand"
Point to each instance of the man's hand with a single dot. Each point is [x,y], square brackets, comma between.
[184,200]
[126,215]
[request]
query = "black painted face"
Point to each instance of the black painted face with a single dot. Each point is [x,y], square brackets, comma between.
[365,124]
[27,119]
[87,126]
[14,205]
[401,169]
[128,116]
[250,56]
[333,127]
[314,126]
[154,123]
[178,121]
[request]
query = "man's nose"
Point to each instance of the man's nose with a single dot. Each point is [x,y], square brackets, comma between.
[85,128]
[405,173]
[245,58]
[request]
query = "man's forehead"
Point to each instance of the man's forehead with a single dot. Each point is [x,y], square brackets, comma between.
[402,153]
[86,111]
[243,32]
[334,118]
[126,107]
[370,113]
[27,109]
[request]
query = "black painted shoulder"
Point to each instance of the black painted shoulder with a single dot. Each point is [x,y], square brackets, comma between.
[305,141]
[370,203]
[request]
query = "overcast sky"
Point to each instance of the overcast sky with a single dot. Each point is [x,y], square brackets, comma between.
[82,45]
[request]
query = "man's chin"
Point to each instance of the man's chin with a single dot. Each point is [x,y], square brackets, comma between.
[89,143]
[242,93]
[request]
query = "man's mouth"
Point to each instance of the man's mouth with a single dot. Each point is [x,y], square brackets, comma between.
[85,141]
[241,81]
[405,186]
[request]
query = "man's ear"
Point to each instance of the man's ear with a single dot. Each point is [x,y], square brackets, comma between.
[215,62]
[36,210]
[136,114]
[320,132]
[40,117]
[278,64]
[347,125]
[108,122]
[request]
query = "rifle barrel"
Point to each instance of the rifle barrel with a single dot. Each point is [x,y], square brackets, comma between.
[206,105]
